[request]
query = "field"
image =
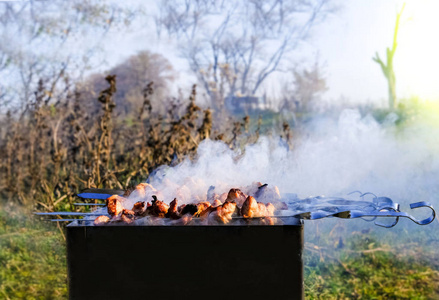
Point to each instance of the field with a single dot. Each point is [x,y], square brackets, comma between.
[51,153]
[33,264]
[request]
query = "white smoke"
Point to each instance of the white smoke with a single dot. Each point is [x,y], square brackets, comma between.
[333,158]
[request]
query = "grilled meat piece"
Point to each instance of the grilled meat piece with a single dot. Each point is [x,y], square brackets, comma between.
[158,208]
[139,209]
[229,209]
[127,216]
[101,220]
[190,209]
[237,196]
[114,205]
[201,207]
[250,208]
[204,214]
[173,211]
[222,214]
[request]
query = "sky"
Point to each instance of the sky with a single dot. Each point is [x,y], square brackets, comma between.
[344,44]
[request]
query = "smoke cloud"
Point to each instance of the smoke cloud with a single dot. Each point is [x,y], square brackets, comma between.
[331,158]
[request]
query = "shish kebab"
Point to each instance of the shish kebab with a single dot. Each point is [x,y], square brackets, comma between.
[238,205]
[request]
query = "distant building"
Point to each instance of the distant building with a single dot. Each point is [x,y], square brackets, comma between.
[245,104]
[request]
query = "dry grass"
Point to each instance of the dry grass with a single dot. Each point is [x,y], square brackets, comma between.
[50,150]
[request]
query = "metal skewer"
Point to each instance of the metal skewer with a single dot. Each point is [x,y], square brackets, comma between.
[68,213]
[101,194]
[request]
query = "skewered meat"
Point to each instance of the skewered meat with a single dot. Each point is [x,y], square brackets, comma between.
[114,205]
[190,209]
[139,209]
[237,196]
[201,207]
[228,209]
[158,208]
[172,211]
[127,216]
[101,220]
[256,213]
[222,214]
[250,208]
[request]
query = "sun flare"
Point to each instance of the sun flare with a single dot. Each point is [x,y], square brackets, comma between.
[416,59]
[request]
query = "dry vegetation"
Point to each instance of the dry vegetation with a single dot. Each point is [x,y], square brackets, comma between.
[54,149]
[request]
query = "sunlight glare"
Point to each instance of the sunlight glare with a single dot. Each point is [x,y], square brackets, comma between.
[416,58]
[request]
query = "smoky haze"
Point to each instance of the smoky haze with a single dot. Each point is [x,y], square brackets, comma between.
[332,157]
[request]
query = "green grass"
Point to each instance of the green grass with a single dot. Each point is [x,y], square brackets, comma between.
[366,268]
[32,258]
[33,264]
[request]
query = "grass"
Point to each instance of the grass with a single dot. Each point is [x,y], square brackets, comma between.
[368,268]
[33,264]
[32,258]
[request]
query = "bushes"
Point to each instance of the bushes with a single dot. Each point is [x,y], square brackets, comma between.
[55,148]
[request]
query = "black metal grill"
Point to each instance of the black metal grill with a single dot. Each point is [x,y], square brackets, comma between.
[185,262]
[235,261]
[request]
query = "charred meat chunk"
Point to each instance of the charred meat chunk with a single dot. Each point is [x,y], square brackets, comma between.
[222,214]
[114,205]
[201,207]
[250,208]
[158,208]
[101,220]
[235,195]
[190,209]
[173,210]
[127,216]
[139,209]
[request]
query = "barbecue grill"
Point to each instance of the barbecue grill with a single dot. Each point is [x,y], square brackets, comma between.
[185,262]
[244,260]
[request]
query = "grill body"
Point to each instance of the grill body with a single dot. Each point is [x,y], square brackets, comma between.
[185,262]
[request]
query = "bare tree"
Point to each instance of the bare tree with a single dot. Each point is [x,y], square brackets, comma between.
[234,46]
[308,86]
[133,75]
[387,67]
[47,40]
